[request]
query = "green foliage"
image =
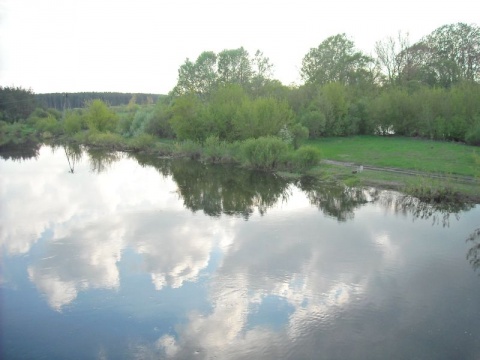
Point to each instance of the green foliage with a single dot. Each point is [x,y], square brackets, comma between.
[454,53]
[299,133]
[267,153]
[314,120]
[228,107]
[476,160]
[142,142]
[99,117]
[261,117]
[230,66]
[73,122]
[229,114]
[159,123]
[335,60]
[286,135]
[142,117]
[215,150]
[124,124]
[188,148]
[106,140]
[306,157]
[472,136]
[187,121]
[60,101]
[16,133]
[16,103]
[45,122]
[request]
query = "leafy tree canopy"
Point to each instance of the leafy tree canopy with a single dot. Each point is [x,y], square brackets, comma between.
[335,60]
[231,66]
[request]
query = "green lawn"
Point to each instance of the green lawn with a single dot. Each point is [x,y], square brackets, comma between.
[401,152]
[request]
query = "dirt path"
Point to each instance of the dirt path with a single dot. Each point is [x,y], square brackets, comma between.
[357,167]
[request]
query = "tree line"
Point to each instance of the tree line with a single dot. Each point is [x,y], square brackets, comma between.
[78,100]
[428,89]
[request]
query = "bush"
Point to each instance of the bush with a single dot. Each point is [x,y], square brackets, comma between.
[48,124]
[188,148]
[142,142]
[299,134]
[215,150]
[15,134]
[306,157]
[108,140]
[472,137]
[314,121]
[73,123]
[140,120]
[266,153]
[99,117]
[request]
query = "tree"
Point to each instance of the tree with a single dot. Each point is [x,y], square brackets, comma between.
[16,103]
[456,45]
[389,55]
[262,71]
[187,121]
[234,67]
[334,60]
[205,72]
[446,56]
[99,117]
[186,79]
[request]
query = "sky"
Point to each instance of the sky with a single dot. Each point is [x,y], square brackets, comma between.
[138,46]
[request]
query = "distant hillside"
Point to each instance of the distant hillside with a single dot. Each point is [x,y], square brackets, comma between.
[78,100]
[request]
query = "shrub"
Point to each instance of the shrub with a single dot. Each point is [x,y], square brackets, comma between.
[188,148]
[73,123]
[15,133]
[140,120]
[299,133]
[306,157]
[472,137]
[215,150]
[99,117]
[108,140]
[264,153]
[48,124]
[124,123]
[142,142]
[314,121]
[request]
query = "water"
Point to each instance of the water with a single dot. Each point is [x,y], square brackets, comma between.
[112,257]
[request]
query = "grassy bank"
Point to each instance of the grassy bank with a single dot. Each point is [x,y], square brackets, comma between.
[426,169]
[403,153]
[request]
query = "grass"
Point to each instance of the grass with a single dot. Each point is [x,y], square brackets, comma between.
[403,153]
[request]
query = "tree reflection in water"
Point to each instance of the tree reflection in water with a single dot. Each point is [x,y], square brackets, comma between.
[20,152]
[473,254]
[439,212]
[222,189]
[74,154]
[337,200]
[101,160]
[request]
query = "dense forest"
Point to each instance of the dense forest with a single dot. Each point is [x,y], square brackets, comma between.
[78,100]
[428,89]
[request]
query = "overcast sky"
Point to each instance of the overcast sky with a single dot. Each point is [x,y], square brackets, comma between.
[138,46]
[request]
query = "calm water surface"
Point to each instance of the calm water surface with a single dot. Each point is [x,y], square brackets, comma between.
[111,257]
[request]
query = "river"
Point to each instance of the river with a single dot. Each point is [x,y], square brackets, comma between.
[117,256]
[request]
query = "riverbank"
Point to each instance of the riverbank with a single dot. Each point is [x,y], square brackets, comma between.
[431,170]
